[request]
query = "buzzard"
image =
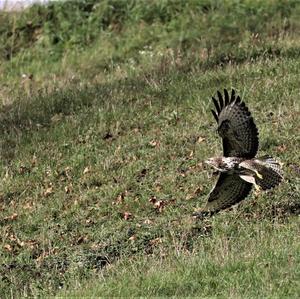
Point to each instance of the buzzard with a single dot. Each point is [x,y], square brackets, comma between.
[238,168]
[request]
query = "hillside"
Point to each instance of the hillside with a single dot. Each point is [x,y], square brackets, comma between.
[105,124]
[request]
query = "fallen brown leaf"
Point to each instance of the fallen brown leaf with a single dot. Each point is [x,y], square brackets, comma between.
[155,242]
[24,169]
[120,198]
[81,239]
[159,205]
[48,191]
[107,135]
[8,247]
[11,217]
[148,221]
[34,161]
[153,199]
[132,238]
[200,139]
[89,221]
[86,170]
[127,216]
[154,143]
[68,189]
[31,244]
[281,148]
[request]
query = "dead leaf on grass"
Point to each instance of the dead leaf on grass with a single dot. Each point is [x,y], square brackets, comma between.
[120,198]
[8,247]
[107,136]
[153,199]
[132,238]
[32,244]
[81,239]
[24,169]
[155,242]
[148,222]
[154,143]
[34,161]
[89,221]
[12,217]
[127,216]
[200,139]
[86,170]
[281,148]
[159,205]
[68,188]
[48,191]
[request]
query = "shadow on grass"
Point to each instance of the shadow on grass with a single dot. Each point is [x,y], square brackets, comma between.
[26,114]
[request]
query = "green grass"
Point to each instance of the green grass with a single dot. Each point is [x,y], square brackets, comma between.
[101,172]
[89,43]
[263,266]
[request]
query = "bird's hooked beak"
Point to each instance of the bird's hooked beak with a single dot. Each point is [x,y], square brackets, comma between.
[209,162]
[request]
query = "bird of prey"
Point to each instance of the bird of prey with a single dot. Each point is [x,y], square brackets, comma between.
[238,168]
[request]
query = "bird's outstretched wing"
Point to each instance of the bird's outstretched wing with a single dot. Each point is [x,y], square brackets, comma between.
[235,126]
[229,190]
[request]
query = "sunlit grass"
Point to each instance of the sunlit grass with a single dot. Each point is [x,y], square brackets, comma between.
[101,169]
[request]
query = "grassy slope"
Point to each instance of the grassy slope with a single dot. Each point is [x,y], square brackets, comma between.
[251,251]
[82,157]
[265,266]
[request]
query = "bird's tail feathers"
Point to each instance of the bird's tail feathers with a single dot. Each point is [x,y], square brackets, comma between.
[270,172]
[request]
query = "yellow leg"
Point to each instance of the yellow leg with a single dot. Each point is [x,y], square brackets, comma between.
[258,174]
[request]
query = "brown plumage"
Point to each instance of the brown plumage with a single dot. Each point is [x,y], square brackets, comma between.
[239,169]
[235,126]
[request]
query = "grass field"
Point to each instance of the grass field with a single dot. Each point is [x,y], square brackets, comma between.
[103,141]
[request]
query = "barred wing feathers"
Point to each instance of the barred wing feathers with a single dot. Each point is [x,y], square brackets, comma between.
[235,126]
[229,190]
[269,169]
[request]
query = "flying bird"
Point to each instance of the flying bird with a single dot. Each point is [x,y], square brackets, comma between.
[239,168]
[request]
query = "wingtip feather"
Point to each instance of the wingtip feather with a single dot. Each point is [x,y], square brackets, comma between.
[215,115]
[226,97]
[216,105]
[232,95]
[220,99]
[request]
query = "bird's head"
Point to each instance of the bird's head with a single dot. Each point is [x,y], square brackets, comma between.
[223,164]
[215,162]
